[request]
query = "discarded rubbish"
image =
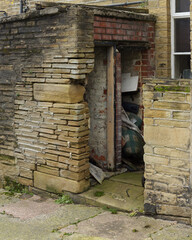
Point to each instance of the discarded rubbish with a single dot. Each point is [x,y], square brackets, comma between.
[132,139]
[97,173]
[100,175]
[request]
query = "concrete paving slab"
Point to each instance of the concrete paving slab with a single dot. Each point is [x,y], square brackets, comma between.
[134,178]
[77,236]
[117,227]
[45,226]
[30,208]
[123,192]
[178,232]
[79,222]
[5,199]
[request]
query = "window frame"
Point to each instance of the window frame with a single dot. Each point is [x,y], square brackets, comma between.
[176,15]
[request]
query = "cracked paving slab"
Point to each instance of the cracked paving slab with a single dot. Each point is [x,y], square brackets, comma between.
[26,220]
[37,218]
[117,227]
[5,199]
[120,227]
[30,208]
[178,232]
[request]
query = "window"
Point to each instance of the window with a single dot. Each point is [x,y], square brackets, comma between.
[180,39]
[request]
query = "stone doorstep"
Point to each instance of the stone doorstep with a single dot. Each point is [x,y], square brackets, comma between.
[87,198]
[82,199]
[119,193]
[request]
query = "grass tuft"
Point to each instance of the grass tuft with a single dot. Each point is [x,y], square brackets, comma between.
[64,199]
[13,187]
[99,193]
[112,210]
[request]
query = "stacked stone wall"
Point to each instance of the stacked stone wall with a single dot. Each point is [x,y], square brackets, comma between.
[167,132]
[51,52]
[7,138]
[12,7]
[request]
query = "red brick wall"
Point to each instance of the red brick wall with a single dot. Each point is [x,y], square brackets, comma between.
[119,29]
[106,28]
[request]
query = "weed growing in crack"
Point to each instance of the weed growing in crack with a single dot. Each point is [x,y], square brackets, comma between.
[64,199]
[136,213]
[112,210]
[75,223]
[67,234]
[133,214]
[99,193]
[147,226]
[13,187]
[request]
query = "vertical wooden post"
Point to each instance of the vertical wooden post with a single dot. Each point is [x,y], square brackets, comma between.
[110,109]
[118,107]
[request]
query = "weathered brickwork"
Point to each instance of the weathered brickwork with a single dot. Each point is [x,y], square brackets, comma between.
[107,28]
[51,56]
[117,29]
[44,127]
[167,122]
[52,52]
[160,8]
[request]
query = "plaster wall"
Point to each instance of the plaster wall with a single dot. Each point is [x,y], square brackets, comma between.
[97,101]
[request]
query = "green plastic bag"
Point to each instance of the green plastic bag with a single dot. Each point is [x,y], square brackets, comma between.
[132,144]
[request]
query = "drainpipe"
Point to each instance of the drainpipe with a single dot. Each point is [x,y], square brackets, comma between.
[21,6]
[125,4]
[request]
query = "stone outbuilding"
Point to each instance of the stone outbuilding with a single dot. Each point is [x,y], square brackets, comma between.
[47,63]
[61,67]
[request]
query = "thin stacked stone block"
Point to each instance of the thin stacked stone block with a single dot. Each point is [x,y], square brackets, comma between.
[51,52]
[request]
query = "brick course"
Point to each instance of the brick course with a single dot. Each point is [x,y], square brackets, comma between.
[106,28]
[117,29]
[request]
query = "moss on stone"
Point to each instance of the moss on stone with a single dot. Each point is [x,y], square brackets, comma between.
[51,189]
[172,89]
[7,158]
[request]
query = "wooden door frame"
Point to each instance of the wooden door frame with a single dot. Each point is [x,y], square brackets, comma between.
[110,107]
